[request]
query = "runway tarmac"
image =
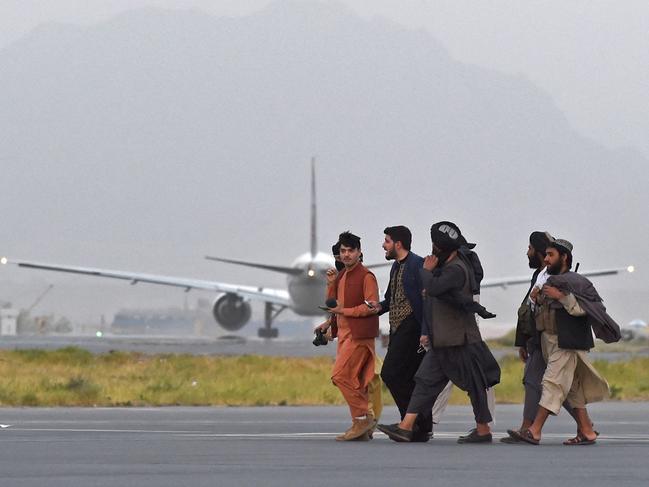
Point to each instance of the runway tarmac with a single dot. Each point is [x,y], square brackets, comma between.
[228,345]
[286,446]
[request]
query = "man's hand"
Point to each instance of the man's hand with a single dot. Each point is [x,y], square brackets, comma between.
[430,262]
[338,310]
[424,341]
[376,306]
[331,275]
[534,293]
[323,326]
[522,354]
[329,334]
[552,292]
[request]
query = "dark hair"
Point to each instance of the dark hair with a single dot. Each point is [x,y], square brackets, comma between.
[350,240]
[401,234]
[562,251]
[335,248]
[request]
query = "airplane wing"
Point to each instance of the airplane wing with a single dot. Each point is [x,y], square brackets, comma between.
[509,281]
[275,296]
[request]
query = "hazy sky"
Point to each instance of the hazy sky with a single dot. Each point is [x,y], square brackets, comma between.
[590,55]
[589,58]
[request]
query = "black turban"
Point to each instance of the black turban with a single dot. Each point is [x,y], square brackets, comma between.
[540,241]
[447,236]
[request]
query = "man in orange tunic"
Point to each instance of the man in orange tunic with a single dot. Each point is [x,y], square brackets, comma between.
[358,326]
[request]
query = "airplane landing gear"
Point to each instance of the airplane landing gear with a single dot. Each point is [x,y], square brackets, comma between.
[271,312]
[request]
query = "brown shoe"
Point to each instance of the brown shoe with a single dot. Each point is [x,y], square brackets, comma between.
[364,437]
[343,436]
[359,428]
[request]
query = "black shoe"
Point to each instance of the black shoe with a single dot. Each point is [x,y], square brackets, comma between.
[393,425]
[395,433]
[474,437]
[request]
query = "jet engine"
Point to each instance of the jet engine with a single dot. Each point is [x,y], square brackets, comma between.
[231,312]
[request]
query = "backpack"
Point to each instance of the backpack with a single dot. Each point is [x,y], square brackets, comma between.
[472,261]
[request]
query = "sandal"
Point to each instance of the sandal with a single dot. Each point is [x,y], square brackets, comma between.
[580,440]
[525,436]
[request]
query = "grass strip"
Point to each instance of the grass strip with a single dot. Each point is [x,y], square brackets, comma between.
[74,377]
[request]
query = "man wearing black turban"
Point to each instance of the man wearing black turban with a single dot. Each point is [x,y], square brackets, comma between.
[457,352]
[528,340]
[565,309]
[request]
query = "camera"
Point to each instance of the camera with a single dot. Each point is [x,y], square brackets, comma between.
[320,338]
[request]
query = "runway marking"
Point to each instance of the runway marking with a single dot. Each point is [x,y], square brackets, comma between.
[378,434]
[204,422]
[207,422]
[630,438]
[96,430]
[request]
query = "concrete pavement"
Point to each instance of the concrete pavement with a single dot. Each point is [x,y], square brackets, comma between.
[285,446]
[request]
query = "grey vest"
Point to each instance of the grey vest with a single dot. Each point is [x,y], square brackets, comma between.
[450,325]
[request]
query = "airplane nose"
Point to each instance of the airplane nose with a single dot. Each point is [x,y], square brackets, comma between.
[3,260]
[310,273]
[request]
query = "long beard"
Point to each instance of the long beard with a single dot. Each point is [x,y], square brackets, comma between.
[535,262]
[555,269]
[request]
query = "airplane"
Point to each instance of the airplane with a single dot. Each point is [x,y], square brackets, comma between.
[305,279]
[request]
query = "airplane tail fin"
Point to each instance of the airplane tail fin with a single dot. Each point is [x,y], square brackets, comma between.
[313,247]
[314,238]
[273,268]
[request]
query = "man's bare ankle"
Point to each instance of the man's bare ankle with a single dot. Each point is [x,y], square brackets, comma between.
[535,433]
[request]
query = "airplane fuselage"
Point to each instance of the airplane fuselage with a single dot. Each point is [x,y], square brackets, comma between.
[308,289]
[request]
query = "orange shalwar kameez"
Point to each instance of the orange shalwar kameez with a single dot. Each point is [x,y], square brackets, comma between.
[354,366]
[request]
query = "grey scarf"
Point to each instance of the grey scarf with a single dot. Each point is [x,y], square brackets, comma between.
[603,325]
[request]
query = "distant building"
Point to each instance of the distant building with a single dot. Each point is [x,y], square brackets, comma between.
[8,321]
[170,321]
